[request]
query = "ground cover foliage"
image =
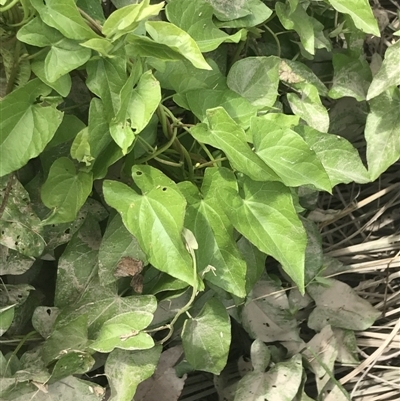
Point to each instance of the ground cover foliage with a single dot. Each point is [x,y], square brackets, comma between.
[159,163]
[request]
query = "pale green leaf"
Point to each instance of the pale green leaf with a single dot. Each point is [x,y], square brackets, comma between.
[226,135]
[298,20]
[360,12]
[65,17]
[155,218]
[170,35]
[13,262]
[382,132]
[389,73]
[65,191]
[260,355]
[338,156]
[351,77]
[206,338]
[124,331]
[144,101]
[37,33]
[309,107]
[338,305]
[78,263]
[64,56]
[27,125]
[101,45]
[122,134]
[147,178]
[62,85]
[127,19]
[196,18]
[117,243]
[288,155]
[265,214]
[256,79]
[43,319]
[126,369]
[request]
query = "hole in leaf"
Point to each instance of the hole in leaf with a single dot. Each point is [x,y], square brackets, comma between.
[67,231]
[48,311]
[164,189]
[16,243]
[139,172]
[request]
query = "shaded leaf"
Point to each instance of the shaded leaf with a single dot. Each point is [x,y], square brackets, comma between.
[207,337]
[65,190]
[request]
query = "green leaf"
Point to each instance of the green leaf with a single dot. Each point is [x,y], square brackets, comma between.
[382,132]
[256,79]
[266,216]
[77,265]
[360,12]
[6,318]
[288,155]
[178,40]
[214,234]
[389,73]
[43,319]
[196,18]
[338,305]
[65,190]
[63,57]
[352,77]
[155,218]
[226,135]
[101,45]
[106,78]
[127,19]
[309,107]
[269,318]
[62,85]
[338,156]
[200,101]
[117,243]
[125,370]
[65,17]
[20,227]
[13,262]
[73,363]
[37,33]
[298,20]
[92,8]
[259,13]
[124,331]
[207,337]
[27,127]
